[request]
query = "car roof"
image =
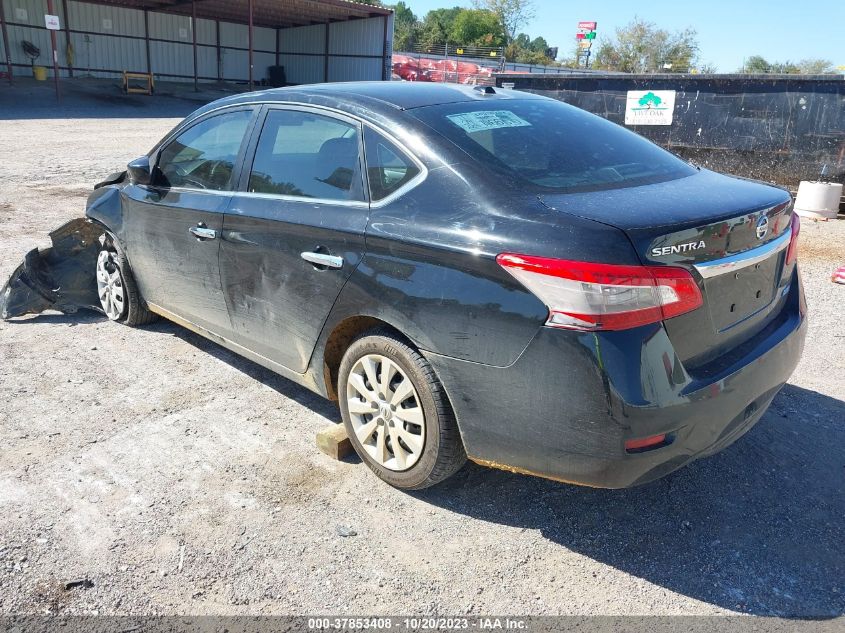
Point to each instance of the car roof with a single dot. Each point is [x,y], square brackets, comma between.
[406,95]
[399,95]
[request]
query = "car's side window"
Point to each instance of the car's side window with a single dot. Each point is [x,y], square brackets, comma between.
[204,155]
[388,167]
[307,155]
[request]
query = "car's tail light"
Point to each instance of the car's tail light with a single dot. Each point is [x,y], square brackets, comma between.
[588,296]
[792,252]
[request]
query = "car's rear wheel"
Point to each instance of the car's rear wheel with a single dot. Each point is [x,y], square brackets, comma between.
[118,292]
[396,413]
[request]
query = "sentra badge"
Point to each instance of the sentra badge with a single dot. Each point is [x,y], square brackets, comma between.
[677,248]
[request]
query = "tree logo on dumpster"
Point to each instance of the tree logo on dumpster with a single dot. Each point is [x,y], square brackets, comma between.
[650,100]
[649,107]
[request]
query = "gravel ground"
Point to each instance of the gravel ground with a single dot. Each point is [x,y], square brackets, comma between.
[177,478]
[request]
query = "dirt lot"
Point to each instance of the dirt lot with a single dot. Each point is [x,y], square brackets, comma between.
[180,479]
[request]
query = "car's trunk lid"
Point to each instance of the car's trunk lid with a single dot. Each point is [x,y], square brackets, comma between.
[730,233]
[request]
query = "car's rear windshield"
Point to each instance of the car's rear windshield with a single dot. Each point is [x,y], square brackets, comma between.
[552,145]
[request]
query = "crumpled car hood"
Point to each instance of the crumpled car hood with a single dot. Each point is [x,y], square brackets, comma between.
[61,277]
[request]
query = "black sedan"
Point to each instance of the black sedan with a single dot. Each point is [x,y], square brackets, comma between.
[469,272]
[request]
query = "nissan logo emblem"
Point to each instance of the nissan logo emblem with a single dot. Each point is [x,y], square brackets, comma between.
[762,227]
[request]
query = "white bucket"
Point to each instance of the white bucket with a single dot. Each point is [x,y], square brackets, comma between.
[818,200]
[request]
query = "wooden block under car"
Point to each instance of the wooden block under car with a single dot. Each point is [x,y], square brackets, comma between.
[333,442]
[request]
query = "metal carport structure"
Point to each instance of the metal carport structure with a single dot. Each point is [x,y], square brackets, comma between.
[204,40]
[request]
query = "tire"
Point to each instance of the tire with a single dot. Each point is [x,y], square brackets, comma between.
[376,418]
[130,309]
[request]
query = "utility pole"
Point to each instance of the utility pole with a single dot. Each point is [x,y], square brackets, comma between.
[5,35]
[52,21]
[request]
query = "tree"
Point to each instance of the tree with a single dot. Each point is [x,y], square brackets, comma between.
[533,57]
[437,26]
[527,51]
[522,41]
[539,45]
[477,27]
[815,67]
[472,27]
[572,60]
[756,64]
[784,68]
[513,14]
[405,27]
[641,47]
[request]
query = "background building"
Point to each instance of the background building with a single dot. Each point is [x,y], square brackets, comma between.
[210,40]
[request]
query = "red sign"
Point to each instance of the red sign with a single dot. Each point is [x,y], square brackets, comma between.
[587,26]
[579,36]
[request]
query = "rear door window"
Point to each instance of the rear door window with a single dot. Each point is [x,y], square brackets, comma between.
[307,155]
[388,167]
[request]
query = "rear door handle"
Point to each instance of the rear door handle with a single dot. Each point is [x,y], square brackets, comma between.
[321,259]
[202,232]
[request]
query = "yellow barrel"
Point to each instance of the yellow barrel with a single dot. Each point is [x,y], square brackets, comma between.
[40,73]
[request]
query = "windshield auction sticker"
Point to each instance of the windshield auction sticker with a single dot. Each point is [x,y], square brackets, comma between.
[487,120]
[649,107]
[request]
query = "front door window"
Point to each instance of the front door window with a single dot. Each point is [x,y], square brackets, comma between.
[204,156]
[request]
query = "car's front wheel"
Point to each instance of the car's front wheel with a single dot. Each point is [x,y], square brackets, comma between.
[396,413]
[119,296]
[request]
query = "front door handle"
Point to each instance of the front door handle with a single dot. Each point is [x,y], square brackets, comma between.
[321,259]
[202,232]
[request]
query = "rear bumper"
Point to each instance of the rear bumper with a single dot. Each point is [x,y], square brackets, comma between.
[566,407]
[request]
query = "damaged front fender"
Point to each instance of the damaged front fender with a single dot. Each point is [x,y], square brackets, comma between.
[61,277]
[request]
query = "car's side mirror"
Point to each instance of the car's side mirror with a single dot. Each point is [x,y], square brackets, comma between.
[139,170]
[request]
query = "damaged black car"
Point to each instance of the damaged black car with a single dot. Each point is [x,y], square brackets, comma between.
[477,273]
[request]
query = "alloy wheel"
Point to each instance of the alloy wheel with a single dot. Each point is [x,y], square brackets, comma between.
[385,412]
[110,285]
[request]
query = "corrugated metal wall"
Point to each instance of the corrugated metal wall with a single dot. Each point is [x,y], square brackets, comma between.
[357,37]
[107,40]
[234,56]
[348,41]
[302,52]
[25,21]
[356,51]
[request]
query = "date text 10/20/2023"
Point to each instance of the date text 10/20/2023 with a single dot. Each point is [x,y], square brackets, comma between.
[418,623]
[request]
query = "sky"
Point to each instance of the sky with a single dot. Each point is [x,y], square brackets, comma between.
[729,31]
